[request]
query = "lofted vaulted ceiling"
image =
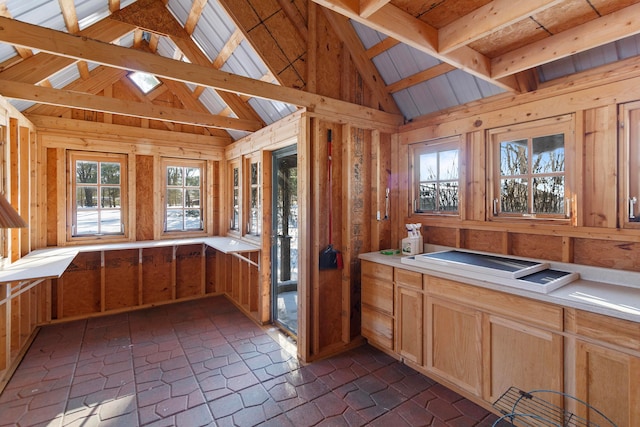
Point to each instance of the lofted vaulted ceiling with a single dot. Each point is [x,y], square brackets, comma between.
[230,67]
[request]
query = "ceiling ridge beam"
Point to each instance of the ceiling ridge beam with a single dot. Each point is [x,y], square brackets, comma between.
[407,29]
[489,18]
[82,48]
[67,98]
[597,32]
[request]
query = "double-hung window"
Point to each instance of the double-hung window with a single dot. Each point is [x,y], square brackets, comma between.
[254,223]
[184,185]
[436,178]
[98,194]
[236,195]
[529,169]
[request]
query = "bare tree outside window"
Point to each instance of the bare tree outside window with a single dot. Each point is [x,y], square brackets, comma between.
[98,196]
[532,175]
[183,198]
[438,180]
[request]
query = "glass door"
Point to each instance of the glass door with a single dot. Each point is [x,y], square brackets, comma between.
[284,248]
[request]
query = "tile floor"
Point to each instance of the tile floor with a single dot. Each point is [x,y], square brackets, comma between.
[204,363]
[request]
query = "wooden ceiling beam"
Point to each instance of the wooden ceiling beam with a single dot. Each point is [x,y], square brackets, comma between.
[487,19]
[43,65]
[66,98]
[80,48]
[609,28]
[194,15]
[369,7]
[422,76]
[407,29]
[365,67]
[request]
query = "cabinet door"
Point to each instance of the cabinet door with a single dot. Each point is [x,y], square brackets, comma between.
[522,356]
[609,381]
[454,346]
[409,333]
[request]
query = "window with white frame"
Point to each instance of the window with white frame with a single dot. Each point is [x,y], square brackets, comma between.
[184,195]
[529,169]
[98,194]
[436,178]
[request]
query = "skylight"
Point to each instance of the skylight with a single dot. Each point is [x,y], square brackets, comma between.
[145,82]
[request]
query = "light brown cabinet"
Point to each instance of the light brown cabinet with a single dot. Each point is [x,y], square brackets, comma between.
[377,323]
[409,315]
[480,342]
[454,343]
[607,366]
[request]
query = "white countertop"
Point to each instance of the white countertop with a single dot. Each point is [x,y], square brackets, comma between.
[605,291]
[52,262]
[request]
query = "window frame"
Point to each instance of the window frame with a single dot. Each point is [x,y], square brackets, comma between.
[629,161]
[101,157]
[234,225]
[545,127]
[167,162]
[435,146]
[254,159]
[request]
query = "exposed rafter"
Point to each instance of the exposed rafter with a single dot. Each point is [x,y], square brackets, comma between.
[402,26]
[85,101]
[55,42]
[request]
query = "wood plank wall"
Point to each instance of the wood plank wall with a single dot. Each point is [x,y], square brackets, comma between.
[597,237]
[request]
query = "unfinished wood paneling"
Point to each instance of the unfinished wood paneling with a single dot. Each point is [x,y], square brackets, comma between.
[52,197]
[536,246]
[80,283]
[599,198]
[483,240]
[157,280]
[211,271]
[609,254]
[189,271]
[439,236]
[121,279]
[144,197]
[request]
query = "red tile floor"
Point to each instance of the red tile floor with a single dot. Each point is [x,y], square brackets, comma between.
[205,363]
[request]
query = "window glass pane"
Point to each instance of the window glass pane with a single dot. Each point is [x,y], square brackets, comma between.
[192,198]
[192,219]
[109,173]
[448,165]
[87,172]
[429,166]
[175,219]
[254,173]
[514,195]
[548,194]
[110,221]
[427,199]
[448,192]
[513,158]
[548,154]
[174,197]
[235,177]
[192,177]
[174,175]
[110,197]
[86,197]
[87,222]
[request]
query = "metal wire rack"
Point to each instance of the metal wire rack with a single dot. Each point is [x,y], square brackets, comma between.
[532,409]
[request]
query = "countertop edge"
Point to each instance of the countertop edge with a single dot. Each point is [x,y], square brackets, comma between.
[559,296]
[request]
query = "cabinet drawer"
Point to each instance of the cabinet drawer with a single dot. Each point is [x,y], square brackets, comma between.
[408,278]
[516,307]
[377,271]
[378,294]
[377,327]
[604,328]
